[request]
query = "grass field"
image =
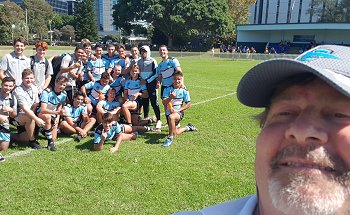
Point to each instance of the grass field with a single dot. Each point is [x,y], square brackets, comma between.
[200,168]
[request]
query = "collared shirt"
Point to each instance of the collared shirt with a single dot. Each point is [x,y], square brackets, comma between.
[242,206]
[39,69]
[26,96]
[65,64]
[14,65]
[6,101]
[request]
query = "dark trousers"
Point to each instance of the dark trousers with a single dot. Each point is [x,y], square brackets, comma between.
[153,97]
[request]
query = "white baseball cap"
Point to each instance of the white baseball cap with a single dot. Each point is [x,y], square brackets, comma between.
[331,63]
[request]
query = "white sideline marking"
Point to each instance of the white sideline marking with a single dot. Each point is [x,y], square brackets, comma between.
[28,151]
[212,99]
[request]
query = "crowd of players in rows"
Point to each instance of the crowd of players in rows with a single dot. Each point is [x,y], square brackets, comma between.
[106,91]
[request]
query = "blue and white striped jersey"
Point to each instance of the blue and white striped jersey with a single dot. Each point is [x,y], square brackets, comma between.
[134,87]
[182,95]
[166,69]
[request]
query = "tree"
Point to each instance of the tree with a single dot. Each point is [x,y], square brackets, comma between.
[39,14]
[238,10]
[85,23]
[11,15]
[185,19]
[68,33]
[330,10]
[60,20]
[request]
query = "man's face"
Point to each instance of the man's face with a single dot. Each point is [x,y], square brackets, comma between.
[19,48]
[134,51]
[79,100]
[134,72]
[98,51]
[28,80]
[111,50]
[40,51]
[143,53]
[88,49]
[107,126]
[302,162]
[7,87]
[163,52]
[79,53]
[60,86]
[117,71]
[104,82]
[178,81]
[111,95]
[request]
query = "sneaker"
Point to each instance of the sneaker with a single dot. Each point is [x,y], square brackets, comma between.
[168,142]
[178,125]
[2,158]
[51,146]
[191,127]
[79,138]
[159,124]
[35,145]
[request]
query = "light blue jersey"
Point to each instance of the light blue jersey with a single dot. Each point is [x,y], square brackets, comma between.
[166,69]
[182,95]
[52,99]
[76,113]
[117,61]
[97,67]
[95,87]
[148,69]
[109,59]
[108,106]
[118,85]
[134,87]
[111,134]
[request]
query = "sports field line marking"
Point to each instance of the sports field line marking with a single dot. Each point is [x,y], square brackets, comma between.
[28,151]
[212,99]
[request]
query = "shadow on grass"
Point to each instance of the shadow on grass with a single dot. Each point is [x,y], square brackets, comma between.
[85,144]
[153,138]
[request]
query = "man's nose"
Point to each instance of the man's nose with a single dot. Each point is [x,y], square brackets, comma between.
[308,126]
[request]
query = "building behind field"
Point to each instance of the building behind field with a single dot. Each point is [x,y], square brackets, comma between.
[289,27]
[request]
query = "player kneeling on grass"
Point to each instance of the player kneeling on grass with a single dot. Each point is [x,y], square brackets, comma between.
[77,119]
[173,98]
[8,108]
[51,109]
[28,100]
[111,130]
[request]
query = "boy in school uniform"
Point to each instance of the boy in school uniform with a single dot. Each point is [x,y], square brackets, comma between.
[173,98]
[28,101]
[8,108]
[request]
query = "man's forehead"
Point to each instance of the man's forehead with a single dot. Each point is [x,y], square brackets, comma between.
[317,88]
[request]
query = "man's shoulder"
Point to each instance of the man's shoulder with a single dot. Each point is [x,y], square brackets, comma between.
[242,206]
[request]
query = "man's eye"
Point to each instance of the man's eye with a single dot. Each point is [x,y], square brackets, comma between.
[284,113]
[341,115]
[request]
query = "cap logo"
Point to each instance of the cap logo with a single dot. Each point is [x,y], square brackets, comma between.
[316,54]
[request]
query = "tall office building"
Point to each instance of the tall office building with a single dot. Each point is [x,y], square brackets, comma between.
[281,12]
[104,12]
[58,6]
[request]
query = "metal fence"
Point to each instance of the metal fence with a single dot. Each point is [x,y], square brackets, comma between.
[229,56]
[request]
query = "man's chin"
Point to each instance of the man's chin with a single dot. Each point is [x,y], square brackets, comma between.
[304,193]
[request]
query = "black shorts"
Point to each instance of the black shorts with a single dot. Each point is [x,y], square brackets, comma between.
[182,115]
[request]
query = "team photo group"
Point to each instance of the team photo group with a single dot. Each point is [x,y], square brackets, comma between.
[108,94]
